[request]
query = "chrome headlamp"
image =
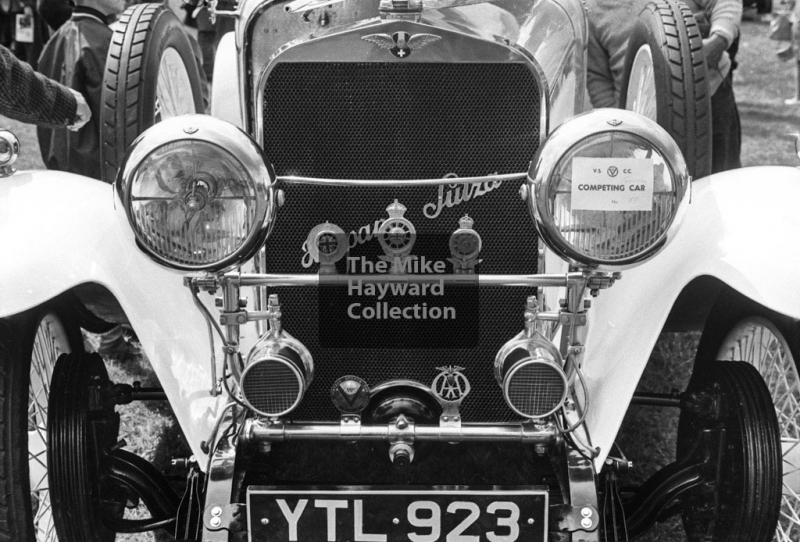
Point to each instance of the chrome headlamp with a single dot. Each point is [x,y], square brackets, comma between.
[198,192]
[607,188]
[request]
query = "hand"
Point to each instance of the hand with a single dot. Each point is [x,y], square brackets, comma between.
[28,11]
[713,47]
[83,112]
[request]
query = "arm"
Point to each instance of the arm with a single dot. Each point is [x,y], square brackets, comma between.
[30,97]
[599,75]
[725,17]
[93,65]
[599,80]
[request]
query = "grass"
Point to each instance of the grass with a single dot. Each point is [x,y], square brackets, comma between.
[762,82]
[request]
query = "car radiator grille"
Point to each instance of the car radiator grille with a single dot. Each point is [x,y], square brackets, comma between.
[397,120]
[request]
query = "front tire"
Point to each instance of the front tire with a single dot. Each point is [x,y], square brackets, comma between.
[742,506]
[770,343]
[151,75]
[30,343]
[665,79]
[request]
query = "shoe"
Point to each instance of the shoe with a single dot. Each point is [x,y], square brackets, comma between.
[792,101]
[785,52]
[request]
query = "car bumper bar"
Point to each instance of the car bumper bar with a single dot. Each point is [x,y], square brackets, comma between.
[283,280]
[259,430]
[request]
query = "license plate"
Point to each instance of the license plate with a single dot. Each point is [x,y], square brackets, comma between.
[397,514]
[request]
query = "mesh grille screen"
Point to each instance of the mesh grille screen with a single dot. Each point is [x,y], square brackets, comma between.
[400,120]
[271,386]
[404,120]
[536,388]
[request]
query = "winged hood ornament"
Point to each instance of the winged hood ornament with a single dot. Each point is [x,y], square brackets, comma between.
[400,44]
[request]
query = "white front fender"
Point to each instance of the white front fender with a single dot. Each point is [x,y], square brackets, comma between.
[742,227]
[59,230]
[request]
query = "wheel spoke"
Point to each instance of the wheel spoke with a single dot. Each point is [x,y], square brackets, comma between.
[173,90]
[50,341]
[758,342]
[37,459]
[641,95]
[43,520]
[791,466]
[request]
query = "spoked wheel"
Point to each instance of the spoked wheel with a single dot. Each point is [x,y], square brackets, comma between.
[771,344]
[51,341]
[665,79]
[30,343]
[760,342]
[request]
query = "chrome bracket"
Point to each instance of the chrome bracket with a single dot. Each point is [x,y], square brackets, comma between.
[402,429]
[582,515]
[219,514]
[571,318]
[350,424]
[601,281]
[233,318]
[451,416]
[208,283]
[229,517]
[571,518]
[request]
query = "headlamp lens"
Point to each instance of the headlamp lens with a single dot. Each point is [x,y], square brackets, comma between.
[193,203]
[612,197]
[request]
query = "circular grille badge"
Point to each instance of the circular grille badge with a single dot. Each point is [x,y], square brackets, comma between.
[350,394]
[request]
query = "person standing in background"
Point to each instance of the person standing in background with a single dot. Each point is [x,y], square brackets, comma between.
[610,24]
[795,51]
[29,48]
[76,56]
[719,22]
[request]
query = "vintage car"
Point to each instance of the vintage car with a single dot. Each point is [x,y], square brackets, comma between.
[400,284]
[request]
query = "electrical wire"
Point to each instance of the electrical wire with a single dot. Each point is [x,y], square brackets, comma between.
[568,432]
[573,439]
[213,437]
[235,401]
[210,324]
[228,389]
[209,319]
[572,444]
[583,411]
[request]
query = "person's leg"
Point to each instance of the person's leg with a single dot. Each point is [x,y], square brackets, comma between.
[727,131]
[795,50]
[794,100]
[206,34]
